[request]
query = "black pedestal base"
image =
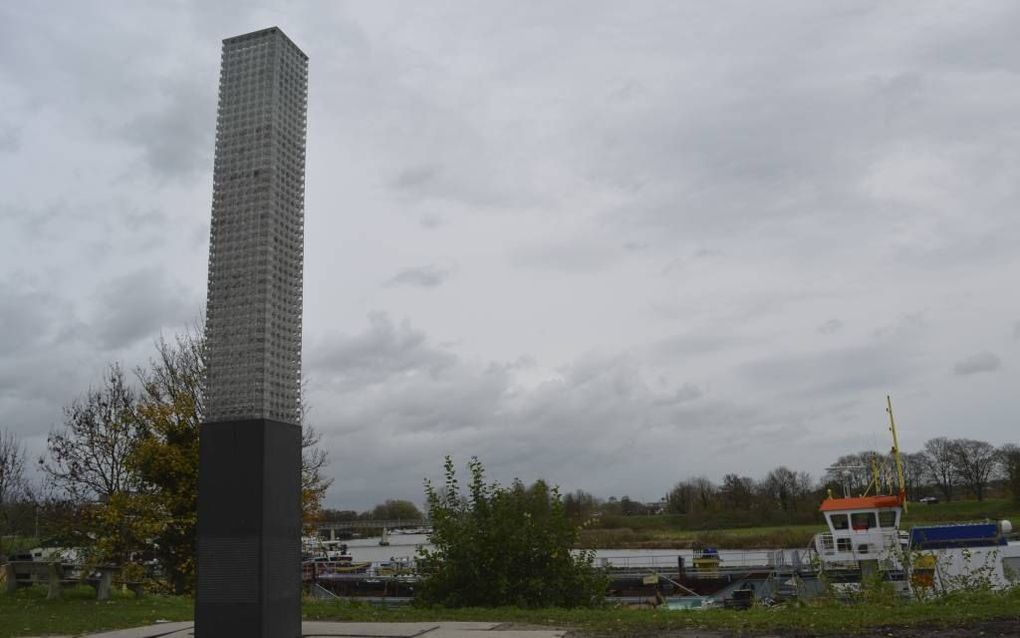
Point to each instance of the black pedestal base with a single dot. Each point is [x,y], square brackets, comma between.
[249,530]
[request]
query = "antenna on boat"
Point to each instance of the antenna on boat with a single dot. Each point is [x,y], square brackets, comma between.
[896,452]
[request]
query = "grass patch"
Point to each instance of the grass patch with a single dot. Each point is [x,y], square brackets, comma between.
[991,508]
[741,538]
[28,613]
[12,544]
[818,618]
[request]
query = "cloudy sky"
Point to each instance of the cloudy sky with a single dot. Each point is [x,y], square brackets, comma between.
[610,244]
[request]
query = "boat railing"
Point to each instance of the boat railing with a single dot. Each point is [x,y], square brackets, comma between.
[638,563]
[722,561]
[843,548]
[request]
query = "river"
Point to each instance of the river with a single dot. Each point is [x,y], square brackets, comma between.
[406,546]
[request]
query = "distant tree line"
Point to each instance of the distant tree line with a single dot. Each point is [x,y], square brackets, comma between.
[947,468]
[391,510]
[121,472]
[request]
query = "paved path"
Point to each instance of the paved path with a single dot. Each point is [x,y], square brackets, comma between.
[322,629]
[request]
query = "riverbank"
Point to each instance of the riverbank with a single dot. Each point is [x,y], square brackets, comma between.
[786,537]
[28,613]
[732,531]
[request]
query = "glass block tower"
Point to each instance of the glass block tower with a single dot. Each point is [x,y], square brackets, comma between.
[249,483]
[256,248]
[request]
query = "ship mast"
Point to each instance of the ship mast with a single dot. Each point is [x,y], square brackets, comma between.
[896,452]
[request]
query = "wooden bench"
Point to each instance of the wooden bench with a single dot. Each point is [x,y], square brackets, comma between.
[57,575]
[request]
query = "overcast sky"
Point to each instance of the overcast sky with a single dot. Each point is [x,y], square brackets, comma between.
[613,244]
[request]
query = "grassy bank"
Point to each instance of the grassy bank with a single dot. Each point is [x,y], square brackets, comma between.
[29,613]
[733,530]
[745,538]
[992,508]
[821,618]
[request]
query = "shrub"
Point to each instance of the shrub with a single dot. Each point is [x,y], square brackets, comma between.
[504,546]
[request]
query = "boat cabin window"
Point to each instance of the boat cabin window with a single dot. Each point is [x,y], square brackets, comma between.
[839,521]
[862,520]
[887,519]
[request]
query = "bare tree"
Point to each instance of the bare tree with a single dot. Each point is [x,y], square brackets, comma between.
[737,492]
[580,504]
[705,492]
[12,477]
[975,463]
[314,482]
[939,459]
[853,472]
[786,487]
[12,468]
[915,473]
[88,458]
[1009,459]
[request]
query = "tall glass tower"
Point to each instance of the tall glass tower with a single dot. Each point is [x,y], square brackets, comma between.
[249,512]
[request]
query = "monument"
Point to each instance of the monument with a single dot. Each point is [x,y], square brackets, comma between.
[249,484]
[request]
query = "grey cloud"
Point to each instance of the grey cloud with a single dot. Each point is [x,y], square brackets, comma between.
[383,350]
[415,178]
[978,362]
[679,264]
[10,139]
[686,392]
[831,326]
[137,305]
[1016,330]
[177,136]
[466,409]
[693,344]
[875,175]
[431,221]
[993,48]
[571,255]
[28,318]
[834,372]
[908,325]
[422,276]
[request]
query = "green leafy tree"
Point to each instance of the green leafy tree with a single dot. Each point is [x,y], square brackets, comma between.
[126,464]
[498,545]
[170,412]
[166,458]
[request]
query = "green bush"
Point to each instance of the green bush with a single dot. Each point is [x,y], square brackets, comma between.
[504,546]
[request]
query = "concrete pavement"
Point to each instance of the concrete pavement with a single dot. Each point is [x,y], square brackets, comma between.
[325,629]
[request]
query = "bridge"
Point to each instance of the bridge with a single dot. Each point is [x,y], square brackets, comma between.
[333,529]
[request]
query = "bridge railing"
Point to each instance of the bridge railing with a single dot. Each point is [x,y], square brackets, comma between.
[377,524]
